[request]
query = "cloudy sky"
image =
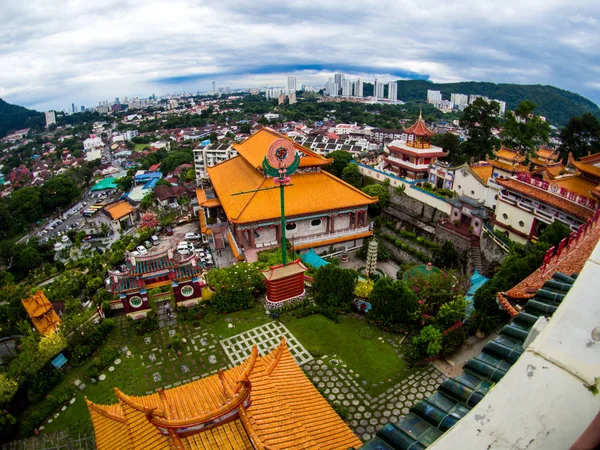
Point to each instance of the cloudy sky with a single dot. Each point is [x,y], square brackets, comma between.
[53,53]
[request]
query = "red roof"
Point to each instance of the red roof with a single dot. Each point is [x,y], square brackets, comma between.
[419,128]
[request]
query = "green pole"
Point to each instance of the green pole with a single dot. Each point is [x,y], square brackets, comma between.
[283,242]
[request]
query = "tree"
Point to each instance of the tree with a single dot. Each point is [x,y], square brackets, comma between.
[451,145]
[147,201]
[8,387]
[479,119]
[174,160]
[580,136]
[26,259]
[393,301]
[427,343]
[27,203]
[451,313]
[334,286]
[341,159]
[57,192]
[523,130]
[381,192]
[125,183]
[446,256]
[235,286]
[245,128]
[190,175]
[351,175]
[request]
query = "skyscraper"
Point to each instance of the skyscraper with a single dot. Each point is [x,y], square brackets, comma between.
[214,91]
[291,83]
[50,118]
[346,88]
[338,78]
[72,107]
[378,89]
[358,88]
[393,90]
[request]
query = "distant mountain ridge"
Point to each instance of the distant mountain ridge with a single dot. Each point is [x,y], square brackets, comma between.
[557,105]
[13,118]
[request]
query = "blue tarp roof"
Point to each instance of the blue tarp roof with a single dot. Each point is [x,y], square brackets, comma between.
[313,259]
[477,280]
[59,361]
[150,184]
[148,176]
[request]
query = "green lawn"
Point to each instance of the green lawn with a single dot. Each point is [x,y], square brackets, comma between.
[374,360]
[139,147]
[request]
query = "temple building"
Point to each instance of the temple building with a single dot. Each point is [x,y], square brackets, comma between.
[411,158]
[545,157]
[143,272]
[321,210]
[589,169]
[265,403]
[42,314]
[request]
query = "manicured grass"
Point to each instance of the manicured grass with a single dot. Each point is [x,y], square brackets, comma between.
[374,360]
[139,147]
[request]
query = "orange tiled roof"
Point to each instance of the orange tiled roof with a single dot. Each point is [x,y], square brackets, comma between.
[545,197]
[512,168]
[547,153]
[576,183]
[588,169]
[42,314]
[254,149]
[483,172]
[311,192]
[119,209]
[509,154]
[555,170]
[590,159]
[269,401]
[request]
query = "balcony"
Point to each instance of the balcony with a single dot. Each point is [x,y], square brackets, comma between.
[328,236]
[407,164]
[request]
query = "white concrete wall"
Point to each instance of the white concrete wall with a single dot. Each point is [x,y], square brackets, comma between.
[304,228]
[267,235]
[465,183]
[510,215]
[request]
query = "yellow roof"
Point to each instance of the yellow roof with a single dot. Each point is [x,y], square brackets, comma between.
[576,183]
[483,172]
[547,153]
[310,192]
[42,314]
[268,400]
[588,169]
[119,209]
[508,154]
[254,149]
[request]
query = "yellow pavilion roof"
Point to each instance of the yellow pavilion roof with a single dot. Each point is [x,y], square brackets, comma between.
[42,314]
[310,192]
[265,403]
[509,154]
[254,149]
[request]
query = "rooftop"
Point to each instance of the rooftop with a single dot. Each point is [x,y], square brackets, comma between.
[119,209]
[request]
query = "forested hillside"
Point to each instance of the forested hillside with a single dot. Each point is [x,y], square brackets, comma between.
[13,117]
[557,105]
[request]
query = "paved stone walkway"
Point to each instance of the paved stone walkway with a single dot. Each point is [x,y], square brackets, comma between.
[266,337]
[368,414]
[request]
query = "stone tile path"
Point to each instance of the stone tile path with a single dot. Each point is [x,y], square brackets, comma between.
[266,337]
[366,413]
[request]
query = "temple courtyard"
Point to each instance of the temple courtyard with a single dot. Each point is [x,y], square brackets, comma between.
[358,368]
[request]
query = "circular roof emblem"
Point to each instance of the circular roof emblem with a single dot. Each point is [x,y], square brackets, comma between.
[554,187]
[281,153]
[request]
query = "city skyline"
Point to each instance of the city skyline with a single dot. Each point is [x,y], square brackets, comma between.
[82,53]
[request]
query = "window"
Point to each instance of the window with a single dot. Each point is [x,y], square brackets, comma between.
[459,186]
[187,291]
[505,216]
[472,192]
[521,223]
[135,301]
[496,197]
[315,222]
[290,226]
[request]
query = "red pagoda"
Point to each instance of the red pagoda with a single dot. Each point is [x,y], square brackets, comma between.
[411,158]
[143,272]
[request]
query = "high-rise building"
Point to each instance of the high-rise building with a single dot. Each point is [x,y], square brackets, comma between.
[214,91]
[332,88]
[50,118]
[72,107]
[502,106]
[459,99]
[433,96]
[291,83]
[378,89]
[82,108]
[338,78]
[346,88]
[292,97]
[358,88]
[393,90]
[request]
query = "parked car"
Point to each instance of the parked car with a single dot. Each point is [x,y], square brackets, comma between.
[155,240]
[192,236]
[148,244]
[142,250]
[169,231]
[185,248]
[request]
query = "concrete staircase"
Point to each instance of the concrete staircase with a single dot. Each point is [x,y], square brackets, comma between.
[475,256]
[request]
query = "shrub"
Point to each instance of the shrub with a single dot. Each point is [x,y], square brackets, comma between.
[43,382]
[175,342]
[145,325]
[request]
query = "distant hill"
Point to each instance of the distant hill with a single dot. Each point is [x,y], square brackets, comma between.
[557,105]
[13,117]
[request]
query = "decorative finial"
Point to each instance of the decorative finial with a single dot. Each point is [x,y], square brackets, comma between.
[420,113]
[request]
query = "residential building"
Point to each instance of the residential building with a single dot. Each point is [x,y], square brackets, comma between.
[321,210]
[411,158]
[292,98]
[434,96]
[93,142]
[378,89]
[265,402]
[338,78]
[210,155]
[358,88]
[291,83]
[122,215]
[387,134]
[459,100]
[347,88]
[393,90]
[50,118]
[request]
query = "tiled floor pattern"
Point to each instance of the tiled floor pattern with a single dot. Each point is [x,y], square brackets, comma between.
[266,337]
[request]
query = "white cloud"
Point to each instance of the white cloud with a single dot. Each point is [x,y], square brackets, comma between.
[55,53]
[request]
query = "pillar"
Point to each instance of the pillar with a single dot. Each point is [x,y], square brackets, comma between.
[332,223]
[356,214]
[251,240]
[278,233]
[239,237]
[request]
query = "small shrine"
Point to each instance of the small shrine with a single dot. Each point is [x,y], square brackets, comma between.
[143,272]
[411,158]
[284,283]
[42,314]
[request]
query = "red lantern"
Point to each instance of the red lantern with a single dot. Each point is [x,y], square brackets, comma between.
[349,214]
[260,228]
[339,215]
[271,226]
